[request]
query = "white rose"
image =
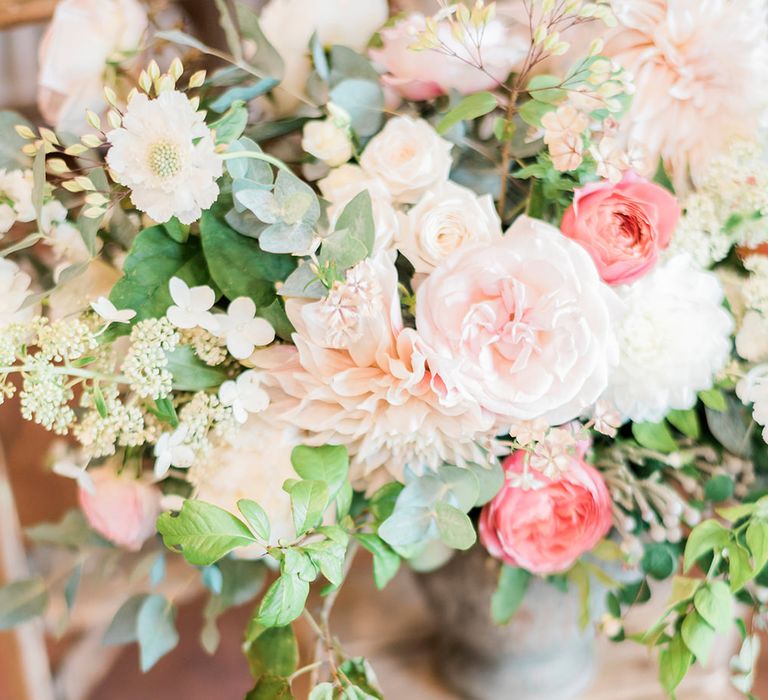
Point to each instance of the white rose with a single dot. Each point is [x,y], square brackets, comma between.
[445,219]
[254,464]
[409,157]
[327,142]
[14,288]
[674,338]
[84,35]
[289,25]
[522,326]
[344,183]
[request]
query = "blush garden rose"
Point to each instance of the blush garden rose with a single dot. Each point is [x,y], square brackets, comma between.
[623,226]
[546,529]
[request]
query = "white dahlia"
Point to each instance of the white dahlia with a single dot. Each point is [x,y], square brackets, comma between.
[673,339]
[697,67]
[358,377]
[165,154]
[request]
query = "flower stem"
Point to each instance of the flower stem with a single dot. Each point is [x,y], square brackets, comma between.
[256,155]
[70,371]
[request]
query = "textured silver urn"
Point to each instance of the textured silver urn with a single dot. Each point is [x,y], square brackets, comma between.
[542,654]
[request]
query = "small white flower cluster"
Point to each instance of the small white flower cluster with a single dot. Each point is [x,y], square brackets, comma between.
[146,362]
[203,418]
[728,208]
[99,433]
[65,340]
[210,348]
[45,395]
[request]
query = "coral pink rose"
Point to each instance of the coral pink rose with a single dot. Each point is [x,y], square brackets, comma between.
[121,509]
[425,74]
[545,530]
[521,325]
[622,225]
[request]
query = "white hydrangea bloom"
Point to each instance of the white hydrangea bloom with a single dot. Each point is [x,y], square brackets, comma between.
[165,154]
[171,450]
[753,389]
[110,313]
[242,329]
[674,338]
[192,306]
[245,395]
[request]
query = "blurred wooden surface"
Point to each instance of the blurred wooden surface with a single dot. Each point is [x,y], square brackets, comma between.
[14,12]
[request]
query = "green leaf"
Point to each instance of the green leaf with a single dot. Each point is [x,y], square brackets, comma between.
[719,488]
[122,629]
[176,230]
[347,63]
[155,630]
[714,602]
[266,59]
[739,569]
[455,528]
[683,588]
[238,265]
[38,186]
[654,436]
[11,156]
[71,531]
[407,525]
[328,463]
[154,258]
[360,673]
[462,484]
[757,540]
[509,594]
[190,373]
[295,561]
[329,557]
[271,650]
[659,560]
[324,691]
[470,107]
[386,561]
[532,111]
[687,422]
[357,219]
[271,688]
[22,600]
[256,517]
[674,662]
[698,636]
[309,499]
[705,537]
[734,513]
[70,589]
[204,533]
[383,502]
[283,601]
[278,319]
[714,399]
[546,88]
[363,100]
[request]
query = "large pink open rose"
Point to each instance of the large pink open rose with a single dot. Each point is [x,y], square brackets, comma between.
[522,325]
[545,530]
[622,225]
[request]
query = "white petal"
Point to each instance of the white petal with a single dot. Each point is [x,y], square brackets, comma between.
[260,332]
[180,292]
[239,346]
[242,309]
[228,393]
[180,317]
[162,464]
[201,298]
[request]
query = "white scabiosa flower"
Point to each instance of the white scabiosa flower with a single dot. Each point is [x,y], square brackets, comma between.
[673,339]
[165,154]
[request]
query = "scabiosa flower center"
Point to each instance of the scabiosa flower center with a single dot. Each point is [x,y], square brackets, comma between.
[164,159]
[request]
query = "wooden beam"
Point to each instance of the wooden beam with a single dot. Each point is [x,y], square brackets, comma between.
[14,12]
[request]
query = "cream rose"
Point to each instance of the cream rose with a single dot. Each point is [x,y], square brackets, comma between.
[522,326]
[83,36]
[289,25]
[409,157]
[327,142]
[445,219]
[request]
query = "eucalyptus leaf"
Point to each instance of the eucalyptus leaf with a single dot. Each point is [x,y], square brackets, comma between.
[266,59]
[122,628]
[304,283]
[21,601]
[363,101]
[407,525]
[454,526]
[155,630]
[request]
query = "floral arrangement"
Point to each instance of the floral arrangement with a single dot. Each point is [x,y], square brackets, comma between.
[399,282]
